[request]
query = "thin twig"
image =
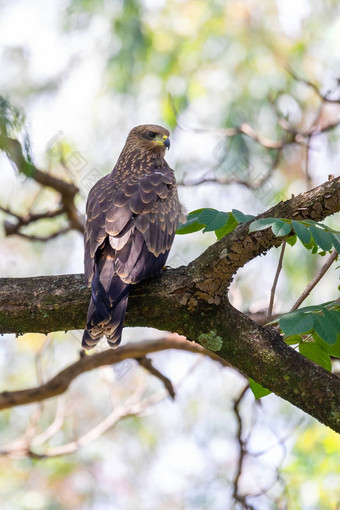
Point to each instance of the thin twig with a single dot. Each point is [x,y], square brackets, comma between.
[316,89]
[107,423]
[133,406]
[276,278]
[315,280]
[242,452]
[44,239]
[309,181]
[146,363]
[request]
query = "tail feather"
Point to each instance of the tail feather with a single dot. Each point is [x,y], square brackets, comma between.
[107,307]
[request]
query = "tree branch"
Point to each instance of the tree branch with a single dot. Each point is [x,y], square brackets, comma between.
[192,301]
[243,451]
[314,86]
[67,190]
[276,279]
[212,272]
[146,363]
[22,221]
[315,280]
[60,382]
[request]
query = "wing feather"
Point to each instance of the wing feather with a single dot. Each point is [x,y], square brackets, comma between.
[139,217]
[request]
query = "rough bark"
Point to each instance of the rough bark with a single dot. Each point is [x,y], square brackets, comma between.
[193,301]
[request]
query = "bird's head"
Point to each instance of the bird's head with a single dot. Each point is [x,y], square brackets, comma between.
[150,137]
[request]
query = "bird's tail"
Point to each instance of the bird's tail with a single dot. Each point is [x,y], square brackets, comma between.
[107,307]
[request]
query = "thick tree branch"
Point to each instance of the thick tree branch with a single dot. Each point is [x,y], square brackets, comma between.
[212,272]
[192,301]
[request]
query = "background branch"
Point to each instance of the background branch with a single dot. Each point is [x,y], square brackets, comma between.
[146,363]
[67,191]
[60,382]
[332,257]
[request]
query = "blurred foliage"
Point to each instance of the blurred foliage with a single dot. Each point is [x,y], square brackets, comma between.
[235,53]
[313,475]
[11,118]
[201,64]
[12,124]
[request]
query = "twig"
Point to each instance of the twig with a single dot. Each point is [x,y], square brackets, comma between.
[116,415]
[309,181]
[231,180]
[276,278]
[67,190]
[43,239]
[55,426]
[242,452]
[59,383]
[316,89]
[244,129]
[13,228]
[315,280]
[146,363]
[131,407]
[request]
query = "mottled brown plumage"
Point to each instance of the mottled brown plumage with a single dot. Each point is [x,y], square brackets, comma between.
[132,216]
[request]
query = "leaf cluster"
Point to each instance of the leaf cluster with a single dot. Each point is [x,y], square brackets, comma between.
[11,118]
[211,220]
[12,124]
[313,235]
[314,330]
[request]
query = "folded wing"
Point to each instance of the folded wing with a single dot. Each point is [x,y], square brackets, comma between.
[129,233]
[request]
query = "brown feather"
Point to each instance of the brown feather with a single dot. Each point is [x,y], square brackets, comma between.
[132,216]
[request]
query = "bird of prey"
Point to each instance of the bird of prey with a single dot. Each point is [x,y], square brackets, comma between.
[132,216]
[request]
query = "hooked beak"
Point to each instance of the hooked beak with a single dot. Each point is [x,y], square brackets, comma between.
[166,142]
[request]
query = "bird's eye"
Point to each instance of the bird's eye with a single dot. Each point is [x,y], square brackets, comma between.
[151,135]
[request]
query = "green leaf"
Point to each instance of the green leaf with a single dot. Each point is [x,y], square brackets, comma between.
[322,238]
[217,222]
[336,242]
[327,228]
[315,353]
[262,224]
[189,226]
[318,308]
[321,225]
[227,228]
[291,240]
[311,246]
[195,213]
[209,220]
[207,215]
[258,390]
[301,231]
[333,316]
[293,340]
[326,326]
[333,350]
[240,217]
[281,228]
[295,323]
